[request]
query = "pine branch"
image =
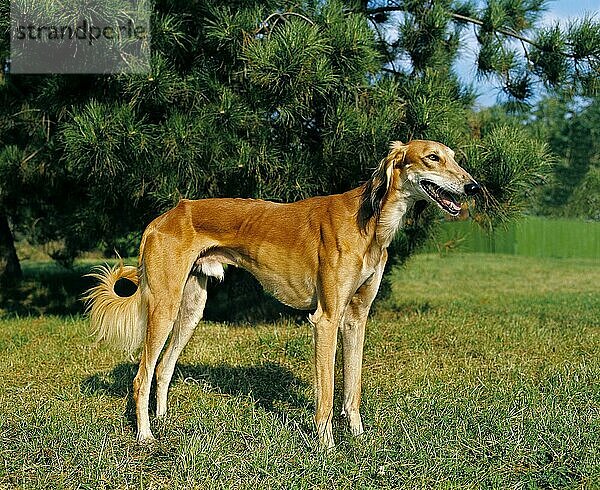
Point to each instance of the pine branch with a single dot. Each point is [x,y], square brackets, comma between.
[504,31]
[469,20]
[267,27]
[387,53]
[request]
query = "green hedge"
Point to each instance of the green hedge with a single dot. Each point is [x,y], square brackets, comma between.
[531,236]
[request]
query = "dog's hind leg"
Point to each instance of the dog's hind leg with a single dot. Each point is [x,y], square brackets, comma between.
[160,324]
[190,313]
[165,289]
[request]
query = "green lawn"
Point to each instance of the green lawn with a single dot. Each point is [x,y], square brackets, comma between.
[482,371]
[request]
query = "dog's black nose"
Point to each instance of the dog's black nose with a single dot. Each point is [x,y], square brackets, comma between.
[472,188]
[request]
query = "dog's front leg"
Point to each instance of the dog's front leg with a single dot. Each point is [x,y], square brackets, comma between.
[353,338]
[336,287]
[325,339]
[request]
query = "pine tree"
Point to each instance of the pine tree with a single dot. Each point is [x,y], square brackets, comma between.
[572,130]
[514,50]
[280,101]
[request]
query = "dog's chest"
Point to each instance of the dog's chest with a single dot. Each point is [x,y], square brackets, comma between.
[365,274]
[371,261]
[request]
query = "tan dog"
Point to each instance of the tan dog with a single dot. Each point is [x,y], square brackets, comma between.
[324,254]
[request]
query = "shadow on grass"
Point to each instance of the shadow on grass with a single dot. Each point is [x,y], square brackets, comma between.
[270,385]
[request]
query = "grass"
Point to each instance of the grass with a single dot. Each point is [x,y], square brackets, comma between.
[481,371]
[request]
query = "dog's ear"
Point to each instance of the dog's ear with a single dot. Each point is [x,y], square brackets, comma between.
[382,177]
[379,184]
[398,153]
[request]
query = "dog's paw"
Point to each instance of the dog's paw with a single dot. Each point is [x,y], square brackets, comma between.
[145,438]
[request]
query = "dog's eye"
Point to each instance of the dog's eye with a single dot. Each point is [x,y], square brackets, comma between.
[433,157]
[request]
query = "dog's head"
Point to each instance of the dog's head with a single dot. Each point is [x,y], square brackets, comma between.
[421,170]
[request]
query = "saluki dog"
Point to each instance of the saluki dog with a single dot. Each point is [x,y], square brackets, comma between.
[323,254]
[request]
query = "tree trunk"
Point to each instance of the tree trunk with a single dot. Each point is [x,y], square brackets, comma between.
[10,269]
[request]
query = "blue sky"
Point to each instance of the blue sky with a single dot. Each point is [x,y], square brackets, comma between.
[574,8]
[561,11]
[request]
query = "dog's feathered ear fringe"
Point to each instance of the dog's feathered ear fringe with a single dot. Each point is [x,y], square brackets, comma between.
[377,187]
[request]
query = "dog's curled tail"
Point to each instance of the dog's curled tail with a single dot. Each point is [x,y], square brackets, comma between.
[118,320]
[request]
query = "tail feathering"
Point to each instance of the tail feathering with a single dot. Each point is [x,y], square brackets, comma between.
[117,320]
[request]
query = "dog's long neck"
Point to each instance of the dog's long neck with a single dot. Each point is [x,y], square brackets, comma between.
[392,217]
[383,222]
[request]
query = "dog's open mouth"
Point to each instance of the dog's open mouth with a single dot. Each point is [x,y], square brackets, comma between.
[442,197]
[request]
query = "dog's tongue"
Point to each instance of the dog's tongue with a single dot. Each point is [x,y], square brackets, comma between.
[451,205]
